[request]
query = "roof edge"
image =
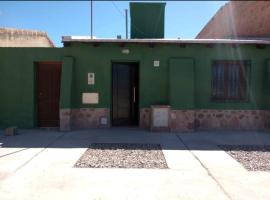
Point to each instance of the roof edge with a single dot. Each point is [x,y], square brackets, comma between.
[87,39]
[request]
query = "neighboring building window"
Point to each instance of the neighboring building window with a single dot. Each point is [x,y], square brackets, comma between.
[229,80]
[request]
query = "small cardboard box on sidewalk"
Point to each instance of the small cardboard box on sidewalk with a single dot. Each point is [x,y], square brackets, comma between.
[11,131]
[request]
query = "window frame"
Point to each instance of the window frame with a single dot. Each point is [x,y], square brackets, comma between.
[246,66]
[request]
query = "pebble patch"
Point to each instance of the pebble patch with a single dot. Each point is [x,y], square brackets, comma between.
[252,157]
[114,155]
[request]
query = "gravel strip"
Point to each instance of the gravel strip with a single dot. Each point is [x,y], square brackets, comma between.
[113,155]
[252,157]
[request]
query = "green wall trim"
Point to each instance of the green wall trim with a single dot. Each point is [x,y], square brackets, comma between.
[66,83]
[181,83]
[268,71]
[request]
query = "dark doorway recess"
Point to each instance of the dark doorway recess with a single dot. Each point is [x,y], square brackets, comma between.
[125,94]
[48,93]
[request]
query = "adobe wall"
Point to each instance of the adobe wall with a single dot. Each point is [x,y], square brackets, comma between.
[239,18]
[23,38]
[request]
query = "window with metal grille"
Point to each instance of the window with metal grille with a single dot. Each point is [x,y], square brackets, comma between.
[229,80]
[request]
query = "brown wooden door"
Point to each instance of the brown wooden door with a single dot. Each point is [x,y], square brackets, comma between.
[48,94]
[125,94]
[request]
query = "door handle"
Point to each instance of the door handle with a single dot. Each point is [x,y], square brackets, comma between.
[134,94]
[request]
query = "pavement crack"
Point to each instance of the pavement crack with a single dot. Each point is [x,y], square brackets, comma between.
[206,169]
[38,153]
[8,154]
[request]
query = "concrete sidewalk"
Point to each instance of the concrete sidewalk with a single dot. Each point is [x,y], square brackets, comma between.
[38,164]
[236,181]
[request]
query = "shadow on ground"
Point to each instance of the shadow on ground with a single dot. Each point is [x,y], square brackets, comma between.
[202,140]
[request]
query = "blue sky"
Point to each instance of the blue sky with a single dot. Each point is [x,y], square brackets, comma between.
[183,19]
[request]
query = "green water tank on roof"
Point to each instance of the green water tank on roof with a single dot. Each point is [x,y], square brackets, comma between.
[147,20]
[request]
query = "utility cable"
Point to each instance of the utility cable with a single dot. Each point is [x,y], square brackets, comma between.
[121,13]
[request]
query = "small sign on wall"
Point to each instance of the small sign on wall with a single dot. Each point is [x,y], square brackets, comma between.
[90,98]
[125,51]
[91,78]
[156,63]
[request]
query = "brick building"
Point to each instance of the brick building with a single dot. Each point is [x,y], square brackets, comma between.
[239,19]
[10,37]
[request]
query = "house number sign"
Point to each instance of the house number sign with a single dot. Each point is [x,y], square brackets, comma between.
[91,78]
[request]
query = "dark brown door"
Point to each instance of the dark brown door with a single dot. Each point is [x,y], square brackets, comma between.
[48,94]
[125,94]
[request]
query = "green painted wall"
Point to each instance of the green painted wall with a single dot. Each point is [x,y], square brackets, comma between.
[66,82]
[266,84]
[147,20]
[17,76]
[181,83]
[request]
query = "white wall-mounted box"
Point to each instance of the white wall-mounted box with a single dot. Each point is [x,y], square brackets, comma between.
[160,118]
[90,98]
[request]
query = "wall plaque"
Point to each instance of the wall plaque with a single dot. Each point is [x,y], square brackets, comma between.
[91,78]
[90,98]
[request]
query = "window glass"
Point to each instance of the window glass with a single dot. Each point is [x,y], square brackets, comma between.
[229,80]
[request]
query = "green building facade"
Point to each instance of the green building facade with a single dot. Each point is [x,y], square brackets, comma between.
[183,80]
[204,84]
